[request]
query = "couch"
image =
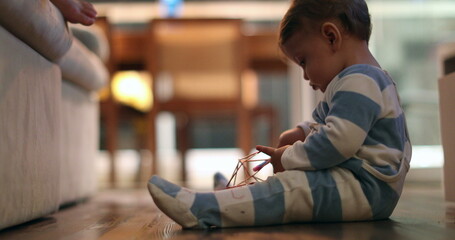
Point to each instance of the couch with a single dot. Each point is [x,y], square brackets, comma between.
[48,110]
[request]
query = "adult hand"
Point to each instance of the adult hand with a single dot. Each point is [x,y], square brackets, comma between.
[77,11]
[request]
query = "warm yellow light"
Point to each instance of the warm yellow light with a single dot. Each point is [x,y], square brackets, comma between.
[133,88]
[250,88]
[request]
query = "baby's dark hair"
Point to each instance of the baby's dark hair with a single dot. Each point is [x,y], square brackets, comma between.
[353,15]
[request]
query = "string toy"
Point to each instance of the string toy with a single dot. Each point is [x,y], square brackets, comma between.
[243,163]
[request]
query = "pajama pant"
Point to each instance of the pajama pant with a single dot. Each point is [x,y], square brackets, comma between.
[331,195]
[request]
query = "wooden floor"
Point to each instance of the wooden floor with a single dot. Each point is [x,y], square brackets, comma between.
[131,214]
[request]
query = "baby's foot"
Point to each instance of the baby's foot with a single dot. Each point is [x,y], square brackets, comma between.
[76,11]
[219,181]
[226,208]
[173,200]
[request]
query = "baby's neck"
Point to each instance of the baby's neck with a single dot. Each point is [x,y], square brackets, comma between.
[357,52]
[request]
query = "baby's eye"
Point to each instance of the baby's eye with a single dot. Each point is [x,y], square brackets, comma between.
[302,63]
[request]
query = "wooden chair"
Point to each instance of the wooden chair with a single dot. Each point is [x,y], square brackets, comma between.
[197,67]
[108,107]
[114,112]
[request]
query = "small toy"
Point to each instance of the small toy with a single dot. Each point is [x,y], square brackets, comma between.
[249,178]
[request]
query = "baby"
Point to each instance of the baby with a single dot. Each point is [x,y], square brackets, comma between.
[347,165]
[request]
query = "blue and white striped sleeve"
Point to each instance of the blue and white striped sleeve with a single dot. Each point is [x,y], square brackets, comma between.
[353,104]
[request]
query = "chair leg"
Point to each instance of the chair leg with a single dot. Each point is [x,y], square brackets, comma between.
[244,131]
[142,175]
[151,140]
[245,135]
[183,128]
[111,124]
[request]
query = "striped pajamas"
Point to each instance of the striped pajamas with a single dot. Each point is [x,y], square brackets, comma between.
[351,167]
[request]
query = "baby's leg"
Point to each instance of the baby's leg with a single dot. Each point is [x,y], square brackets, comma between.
[290,196]
[330,195]
[76,11]
[258,204]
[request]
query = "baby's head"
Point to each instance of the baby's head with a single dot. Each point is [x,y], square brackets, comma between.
[325,36]
[309,15]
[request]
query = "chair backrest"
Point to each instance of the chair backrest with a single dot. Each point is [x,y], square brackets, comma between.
[196,59]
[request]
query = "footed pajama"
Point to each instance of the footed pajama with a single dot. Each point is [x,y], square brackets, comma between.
[350,167]
[291,196]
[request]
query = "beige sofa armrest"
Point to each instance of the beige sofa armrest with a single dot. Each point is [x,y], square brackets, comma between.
[83,67]
[30,93]
[39,24]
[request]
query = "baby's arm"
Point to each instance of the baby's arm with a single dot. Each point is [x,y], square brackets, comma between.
[344,121]
[76,11]
[291,136]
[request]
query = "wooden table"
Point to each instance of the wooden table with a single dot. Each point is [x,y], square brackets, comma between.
[261,18]
[262,46]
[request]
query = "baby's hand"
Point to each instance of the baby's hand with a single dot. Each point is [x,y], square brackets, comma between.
[76,11]
[291,136]
[275,156]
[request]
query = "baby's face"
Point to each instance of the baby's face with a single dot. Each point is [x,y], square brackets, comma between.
[314,55]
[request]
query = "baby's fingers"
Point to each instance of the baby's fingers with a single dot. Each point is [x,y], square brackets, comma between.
[267,150]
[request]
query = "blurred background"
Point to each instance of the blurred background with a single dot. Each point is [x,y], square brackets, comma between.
[409,39]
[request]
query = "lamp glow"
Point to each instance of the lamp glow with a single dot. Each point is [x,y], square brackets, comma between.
[133,88]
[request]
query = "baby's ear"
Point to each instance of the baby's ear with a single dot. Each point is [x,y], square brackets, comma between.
[331,33]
